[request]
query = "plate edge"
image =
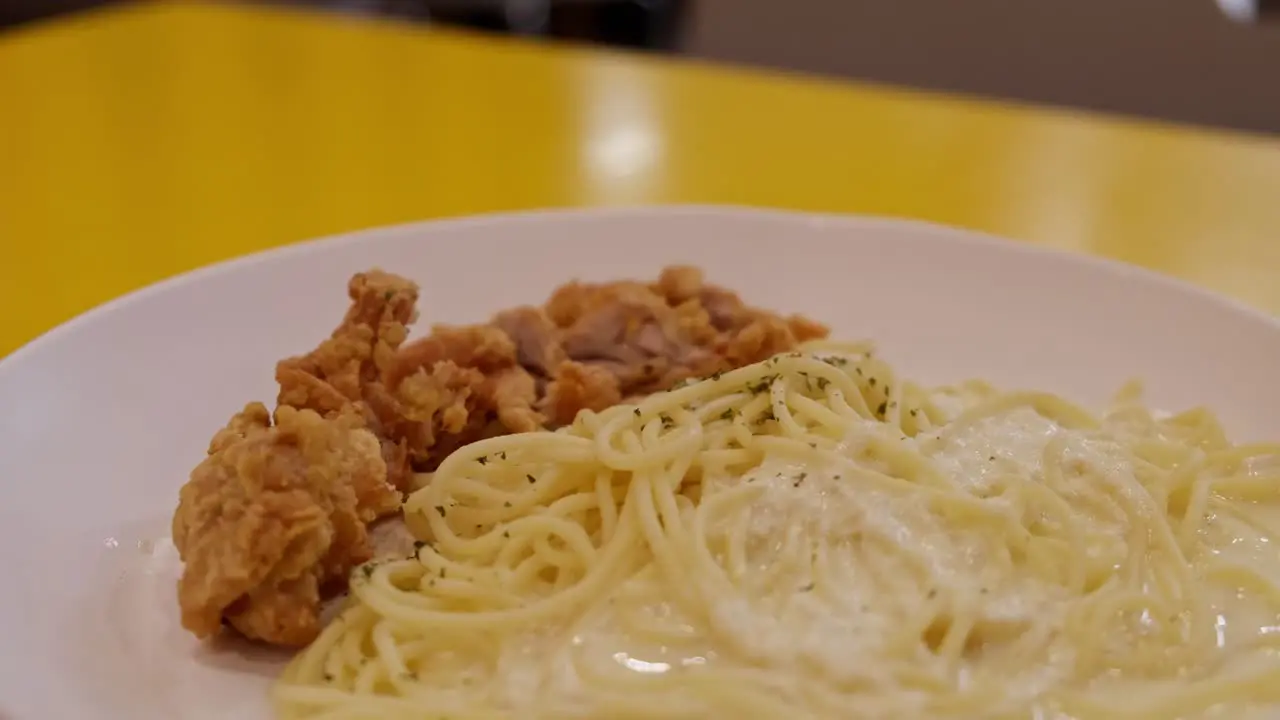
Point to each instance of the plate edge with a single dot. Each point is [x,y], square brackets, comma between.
[820,219]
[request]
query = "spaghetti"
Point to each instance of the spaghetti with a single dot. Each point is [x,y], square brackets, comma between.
[812,537]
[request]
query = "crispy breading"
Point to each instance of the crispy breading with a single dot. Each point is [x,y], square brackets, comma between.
[577,387]
[483,347]
[271,515]
[338,376]
[652,336]
[376,324]
[457,385]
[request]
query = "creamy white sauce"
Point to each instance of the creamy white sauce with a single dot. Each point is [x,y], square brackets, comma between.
[1015,441]
[839,629]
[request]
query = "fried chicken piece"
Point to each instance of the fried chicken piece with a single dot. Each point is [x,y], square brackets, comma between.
[356,353]
[588,347]
[483,347]
[273,514]
[577,387]
[514,395]
[652,336]
[426,405]
[594,344]
[338,376]
[457,385]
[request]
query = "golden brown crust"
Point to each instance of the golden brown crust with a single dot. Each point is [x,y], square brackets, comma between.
[577,387]
[273,513]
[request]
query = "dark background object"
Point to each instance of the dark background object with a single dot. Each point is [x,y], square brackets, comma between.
[16,12]
[640,24]
[637,24]
[1206,62]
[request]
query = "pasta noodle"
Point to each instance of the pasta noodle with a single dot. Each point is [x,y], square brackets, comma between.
[813,537]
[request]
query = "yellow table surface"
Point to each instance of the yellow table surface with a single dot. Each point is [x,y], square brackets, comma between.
[142,142]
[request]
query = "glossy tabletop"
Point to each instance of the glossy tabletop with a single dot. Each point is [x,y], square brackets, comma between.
[141,142]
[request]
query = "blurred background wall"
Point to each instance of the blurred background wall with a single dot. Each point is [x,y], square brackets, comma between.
[1176,60]
[1180,60]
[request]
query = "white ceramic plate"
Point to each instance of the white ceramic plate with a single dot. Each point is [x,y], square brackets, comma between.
[101,419]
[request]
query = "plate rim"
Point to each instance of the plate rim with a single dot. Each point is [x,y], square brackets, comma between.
[978,238]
